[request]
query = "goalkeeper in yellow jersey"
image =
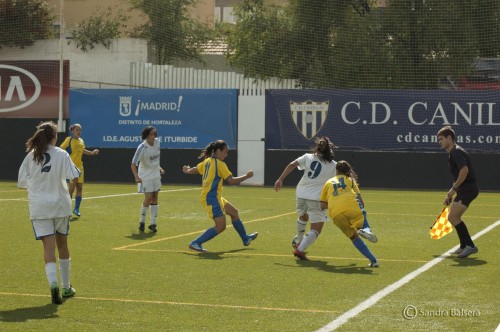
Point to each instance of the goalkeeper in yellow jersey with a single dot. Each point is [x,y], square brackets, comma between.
[342,198]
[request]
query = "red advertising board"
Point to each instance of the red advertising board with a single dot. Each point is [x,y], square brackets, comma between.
[30,89]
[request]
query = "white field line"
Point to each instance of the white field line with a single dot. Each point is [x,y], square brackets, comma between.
[344,318]
[130,194]
[106,196]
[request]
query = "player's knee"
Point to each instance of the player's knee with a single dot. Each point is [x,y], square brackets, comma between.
[232,212]
[220,228]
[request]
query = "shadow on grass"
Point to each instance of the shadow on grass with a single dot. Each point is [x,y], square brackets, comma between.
[215,255]
[24,314]
[323,266]
[140,236]
[464,262]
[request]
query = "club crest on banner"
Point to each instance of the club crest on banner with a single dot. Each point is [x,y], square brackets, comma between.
[309,116]
[125,106]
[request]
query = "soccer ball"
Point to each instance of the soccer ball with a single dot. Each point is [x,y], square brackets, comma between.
[295,242]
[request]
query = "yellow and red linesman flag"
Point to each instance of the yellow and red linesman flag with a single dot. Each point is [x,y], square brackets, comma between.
[441,226]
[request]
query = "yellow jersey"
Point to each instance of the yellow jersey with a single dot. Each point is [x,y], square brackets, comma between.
[75,150]
[213,172]
[341,194]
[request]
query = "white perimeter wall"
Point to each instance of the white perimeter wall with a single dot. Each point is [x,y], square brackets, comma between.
[251,134]
[98,65]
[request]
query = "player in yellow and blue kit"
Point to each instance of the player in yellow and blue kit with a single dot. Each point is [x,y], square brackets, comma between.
[342,198]
[75,146]
[214,172]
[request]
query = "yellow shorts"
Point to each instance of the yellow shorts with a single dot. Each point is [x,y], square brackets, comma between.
[349,221]
[216,209]
[81,177]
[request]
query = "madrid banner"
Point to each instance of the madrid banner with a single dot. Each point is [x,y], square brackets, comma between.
[382,120]
[185,119]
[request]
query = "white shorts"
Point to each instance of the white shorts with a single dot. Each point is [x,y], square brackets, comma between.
[48,227]
[312,208]
[150,186]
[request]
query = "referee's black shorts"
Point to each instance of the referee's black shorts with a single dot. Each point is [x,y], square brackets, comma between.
[467,193]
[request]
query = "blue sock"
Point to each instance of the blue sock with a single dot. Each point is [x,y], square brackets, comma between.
[240,228]
[78,201]
[207,236]
[361,246]
[365,221]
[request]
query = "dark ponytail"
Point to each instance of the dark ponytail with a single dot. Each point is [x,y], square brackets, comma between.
[39,142]
[344,168]
[324,148]
[209,150]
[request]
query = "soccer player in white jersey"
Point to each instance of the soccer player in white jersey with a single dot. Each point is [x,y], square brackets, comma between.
[147,172]
[318,167]
[44,172]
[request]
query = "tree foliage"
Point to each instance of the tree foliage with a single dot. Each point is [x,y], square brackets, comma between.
[22,22]
[350,44]
[171,32]
[100,28]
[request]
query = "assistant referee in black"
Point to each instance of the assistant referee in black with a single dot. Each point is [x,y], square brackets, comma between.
[464,189]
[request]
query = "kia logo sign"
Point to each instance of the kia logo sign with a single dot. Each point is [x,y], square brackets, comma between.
[13,96]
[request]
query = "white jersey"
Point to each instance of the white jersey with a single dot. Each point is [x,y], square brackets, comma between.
[46,183]
[147,158]
[316,173]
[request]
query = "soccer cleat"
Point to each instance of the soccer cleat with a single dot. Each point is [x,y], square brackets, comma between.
[54,292]
[300,255]
[196,247]
[467,251]
[375,263]
[458,251]
[76,212]
[152,228]
[367,234]
[250,238]
[68,292]
[141,227]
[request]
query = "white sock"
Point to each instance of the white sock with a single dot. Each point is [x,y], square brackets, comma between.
[51,272]
[309,239]
[144,212]
[64,267]
[154,213]
[301,229]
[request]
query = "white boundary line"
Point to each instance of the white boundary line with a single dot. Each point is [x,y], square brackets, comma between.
[342,319]
[106,196]
[130,194]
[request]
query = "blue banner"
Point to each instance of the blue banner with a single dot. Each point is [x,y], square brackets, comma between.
[185,119]
[382,120]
